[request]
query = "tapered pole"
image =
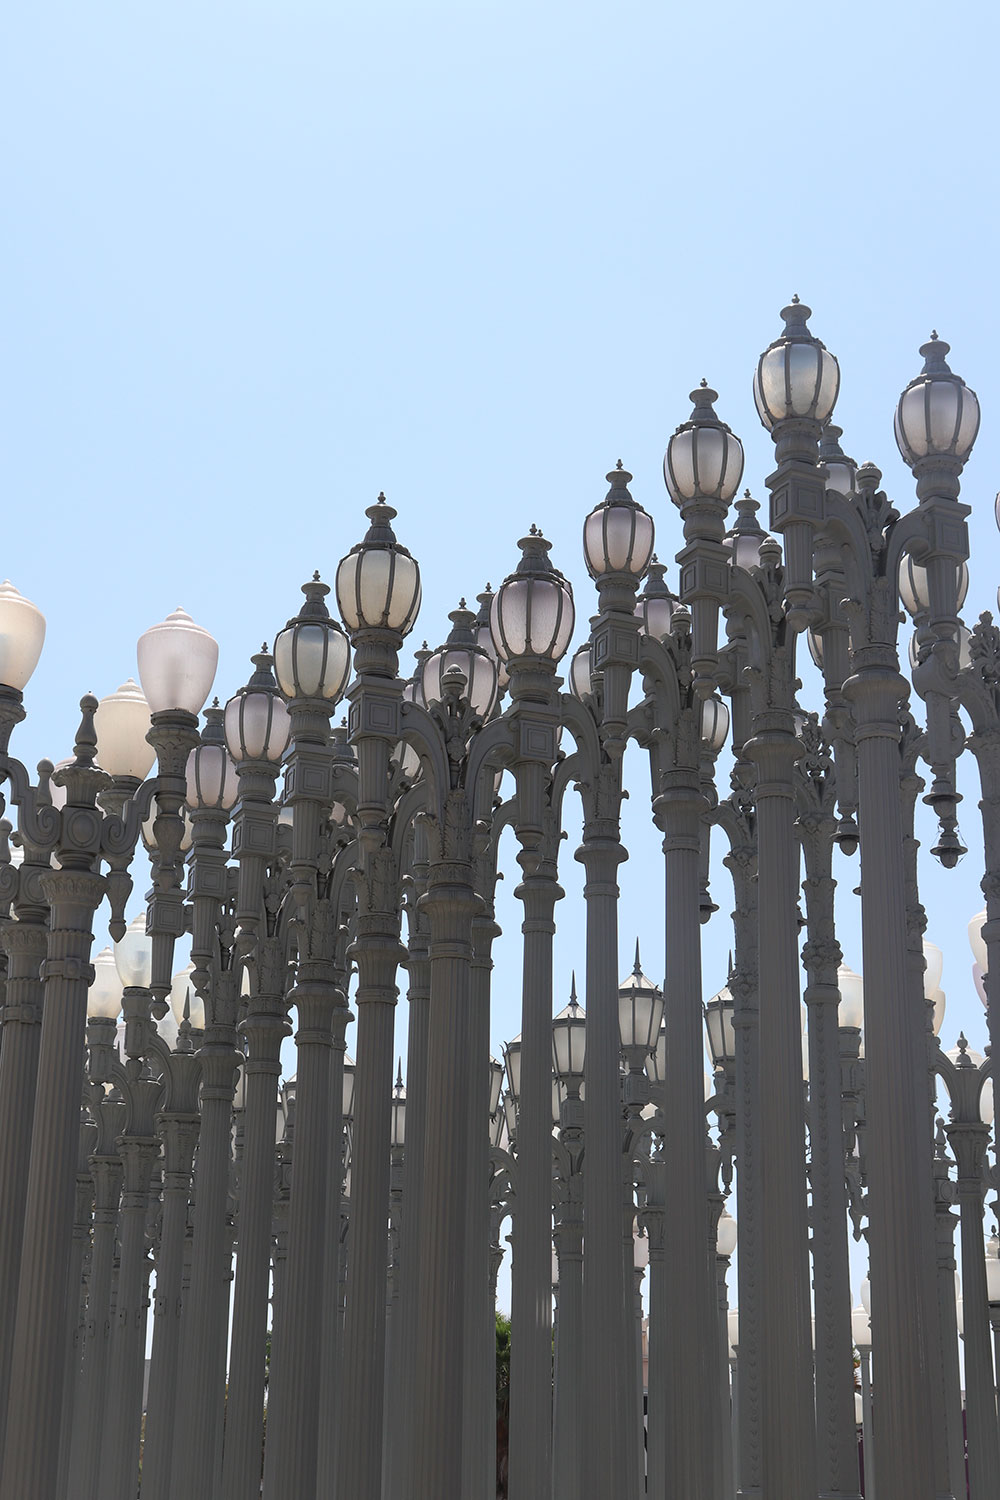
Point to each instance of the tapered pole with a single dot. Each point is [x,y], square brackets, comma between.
[293,1396]
[30,1466]
[531,1272]
[441,1411]
[179,1135]
[123,1409]
[24,945]
[788,1421]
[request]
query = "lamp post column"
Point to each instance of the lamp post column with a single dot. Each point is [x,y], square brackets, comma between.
[480,1331]
[738,817]
[265,1027]
[24,942]
[531,1273]
[179,1135]
[904,1313]
[441,1415]
[692,1410]
[293,1400]
[968,1140]
[74,892]
[944,1234]
[836,1447]
[567,1432]
[123,1408]
[788,1432]
[205,1309]
[76,1331]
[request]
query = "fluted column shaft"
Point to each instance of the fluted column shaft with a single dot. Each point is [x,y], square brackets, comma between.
[418,1003]
[24,945]
[30,1466]
[88,1417]
[788,1430]
[194,1470]
[905,1335]
[969,1144]
[742,863]
[76,1326]
[836,1436]
[605,1345]
[479,1482]
[123,1408]
[264,1027]
[179,1134]
[659,1335]
[567,1433]
[331,1326]
[944,1227]
[293,1397]
[728,1482]
[531,1270]
[362,1391]
[441,1415]
[691,1414]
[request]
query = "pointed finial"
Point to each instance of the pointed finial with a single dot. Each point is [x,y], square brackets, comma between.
[215,702]
[316,575]
[619,465]
[462,604]
[399,1073]
[703,383]
[795,298]
[934,333]
[572,988]
[381,497]
[638,967]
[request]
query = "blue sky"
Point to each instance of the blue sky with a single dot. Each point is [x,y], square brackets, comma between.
[261,260]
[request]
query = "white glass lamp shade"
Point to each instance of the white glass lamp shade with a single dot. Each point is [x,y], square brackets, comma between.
[725,1242]
[986,1102]
[934,960]
[617,539]
[960,1315]
[937,415]
[714,724]
[580,684]
[478,669]
[312,659]
[640,1251]
[733,1330]
[182,990]
[640,1010]
[569,1043]
[704,460]
[104,998]
[977,942]
[257,726]
[398,1127]
[512,1057]
[134,955]
[861,1330]
[655,614]
[348,1099]
[496,1084]
[22,635]
[993,1269]
[719,1026]
[796,377]
[211,778]
[851,1010]
[866,1295]
[149,830]
[939,1006]
[840,475]
[558,1095]
[656,1062]
[121,723]
[532,615]
[378,583]
[177,662]
[914,586]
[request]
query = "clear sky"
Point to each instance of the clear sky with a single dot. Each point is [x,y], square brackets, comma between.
[261,260]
